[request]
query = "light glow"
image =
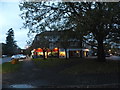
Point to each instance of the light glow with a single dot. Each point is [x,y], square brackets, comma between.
[61,53]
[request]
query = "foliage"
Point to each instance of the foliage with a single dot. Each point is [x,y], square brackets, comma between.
[99,18]
[11,46]
[39,15]
[4,51]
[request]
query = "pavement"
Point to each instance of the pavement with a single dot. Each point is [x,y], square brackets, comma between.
[108,58]
[30,76]
[113,57]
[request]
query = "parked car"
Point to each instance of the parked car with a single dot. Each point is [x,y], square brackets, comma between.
[22,56]
[19,56]
[3,56]
[15,57]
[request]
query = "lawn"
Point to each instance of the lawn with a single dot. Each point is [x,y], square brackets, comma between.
[78,66]
[8,67]
[93,67]
[50,62]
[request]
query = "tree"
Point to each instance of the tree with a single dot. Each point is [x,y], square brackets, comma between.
[4,51]
[103,25]
[99,18]
[40,15]
[11,43]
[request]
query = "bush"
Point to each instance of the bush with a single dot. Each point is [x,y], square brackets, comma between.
[14,61]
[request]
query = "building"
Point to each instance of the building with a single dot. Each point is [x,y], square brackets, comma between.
[66,43]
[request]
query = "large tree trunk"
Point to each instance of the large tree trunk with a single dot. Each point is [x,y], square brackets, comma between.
[44,54]
[100,51]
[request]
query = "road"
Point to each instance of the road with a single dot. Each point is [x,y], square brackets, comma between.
[30,76]
[6,59]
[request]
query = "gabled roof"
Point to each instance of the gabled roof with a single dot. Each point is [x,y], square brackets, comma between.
[49,33]
[55,32]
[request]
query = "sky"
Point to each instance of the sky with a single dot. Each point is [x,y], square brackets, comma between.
[9,18]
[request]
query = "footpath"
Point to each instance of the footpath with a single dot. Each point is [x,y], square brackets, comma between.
[30,76]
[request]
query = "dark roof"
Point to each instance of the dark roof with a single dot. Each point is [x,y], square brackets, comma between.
[50,33]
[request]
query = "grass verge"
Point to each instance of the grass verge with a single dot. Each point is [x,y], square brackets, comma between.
[50,62]
[8,67]
[79,66]
[93,67]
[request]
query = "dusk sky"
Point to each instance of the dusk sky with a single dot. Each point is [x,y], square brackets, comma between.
[9,18]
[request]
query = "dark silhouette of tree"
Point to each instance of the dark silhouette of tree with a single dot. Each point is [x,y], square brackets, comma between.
[99,18]
[4,50]
[11,46]
[101,24]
